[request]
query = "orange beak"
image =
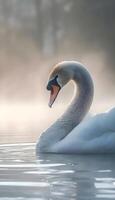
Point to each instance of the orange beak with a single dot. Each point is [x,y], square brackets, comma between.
[54,92]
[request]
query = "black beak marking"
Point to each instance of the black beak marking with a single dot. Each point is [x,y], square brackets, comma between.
[49,86]
[52,82]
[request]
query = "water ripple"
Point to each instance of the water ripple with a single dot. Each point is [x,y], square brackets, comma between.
[24,184]
[23,176]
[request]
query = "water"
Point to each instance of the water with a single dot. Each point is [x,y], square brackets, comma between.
[52,177]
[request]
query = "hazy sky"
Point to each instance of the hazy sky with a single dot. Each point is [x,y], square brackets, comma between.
[37,34]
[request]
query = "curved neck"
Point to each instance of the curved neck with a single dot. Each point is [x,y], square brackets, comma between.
[76,111]
[84,91]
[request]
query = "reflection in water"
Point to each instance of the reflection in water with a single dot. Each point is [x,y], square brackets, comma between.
[52,176]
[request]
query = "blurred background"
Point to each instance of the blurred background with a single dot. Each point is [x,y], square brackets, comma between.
[35,35]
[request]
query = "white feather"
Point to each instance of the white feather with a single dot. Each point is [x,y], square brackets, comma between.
[72,134]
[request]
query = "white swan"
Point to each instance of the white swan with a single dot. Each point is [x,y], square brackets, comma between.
[69,134]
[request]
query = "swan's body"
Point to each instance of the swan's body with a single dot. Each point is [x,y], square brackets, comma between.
[69,134]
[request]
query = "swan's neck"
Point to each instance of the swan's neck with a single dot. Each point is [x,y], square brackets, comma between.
[76,111]
[82,99]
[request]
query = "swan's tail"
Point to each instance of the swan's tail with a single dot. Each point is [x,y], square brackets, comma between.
[109,120]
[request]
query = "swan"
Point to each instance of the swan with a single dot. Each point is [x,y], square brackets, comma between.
[71,133]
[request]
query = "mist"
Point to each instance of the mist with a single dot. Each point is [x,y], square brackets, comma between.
[35,35]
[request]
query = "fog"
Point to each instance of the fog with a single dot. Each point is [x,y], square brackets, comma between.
[34,35]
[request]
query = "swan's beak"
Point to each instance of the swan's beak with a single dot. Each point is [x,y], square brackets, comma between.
[54,92]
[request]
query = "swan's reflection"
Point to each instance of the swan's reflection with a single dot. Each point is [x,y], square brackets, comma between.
[53,176]
[79,177]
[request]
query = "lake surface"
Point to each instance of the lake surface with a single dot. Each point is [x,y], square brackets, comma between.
[23,175]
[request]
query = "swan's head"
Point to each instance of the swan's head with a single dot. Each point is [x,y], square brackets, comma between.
[57,79]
